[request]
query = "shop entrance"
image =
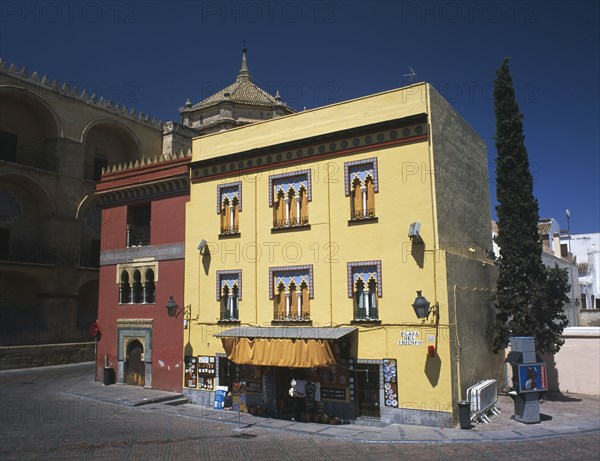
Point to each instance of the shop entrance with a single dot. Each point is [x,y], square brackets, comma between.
[134,365]
[283,381]
[367,390]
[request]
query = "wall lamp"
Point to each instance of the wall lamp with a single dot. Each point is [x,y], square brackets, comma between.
[423,307]
[173,310]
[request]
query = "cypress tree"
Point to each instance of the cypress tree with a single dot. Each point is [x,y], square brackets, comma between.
[529,297]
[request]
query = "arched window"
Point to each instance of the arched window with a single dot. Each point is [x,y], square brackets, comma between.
[137,287]
[280,303]
[124,288]
[225,294]
[149,287]
[279,211]
[289,194]
[229,303]
[366,300]
[304,301]
[229,293]
[291,293]
[225,216]
[364,286]
[233,303]
[229,205]
[361,186]
[361,311]
[234,216]
[137,283]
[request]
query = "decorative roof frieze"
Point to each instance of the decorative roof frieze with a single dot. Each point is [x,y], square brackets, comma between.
[65,90]
[131,165]
[145,190]
[307,150]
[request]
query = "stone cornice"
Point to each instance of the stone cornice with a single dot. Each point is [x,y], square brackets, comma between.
[173,186]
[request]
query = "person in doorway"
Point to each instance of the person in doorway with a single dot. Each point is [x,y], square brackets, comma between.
[298,392]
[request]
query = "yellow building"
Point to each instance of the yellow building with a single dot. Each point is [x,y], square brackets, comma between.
[307,239]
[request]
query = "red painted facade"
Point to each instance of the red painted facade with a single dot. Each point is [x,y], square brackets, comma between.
[162,336]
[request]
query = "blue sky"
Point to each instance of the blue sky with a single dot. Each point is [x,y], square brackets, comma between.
[152,55]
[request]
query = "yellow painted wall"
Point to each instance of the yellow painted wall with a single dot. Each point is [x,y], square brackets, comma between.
[345,115]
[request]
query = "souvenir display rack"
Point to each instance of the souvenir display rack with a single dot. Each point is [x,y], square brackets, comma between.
[207,371]
[390,383]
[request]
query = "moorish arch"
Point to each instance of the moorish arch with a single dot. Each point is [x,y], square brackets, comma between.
[29,129]
[26,209]
[89,217]
[108,142]
[39,115]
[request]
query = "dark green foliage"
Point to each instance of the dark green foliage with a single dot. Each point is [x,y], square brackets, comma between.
[529,296]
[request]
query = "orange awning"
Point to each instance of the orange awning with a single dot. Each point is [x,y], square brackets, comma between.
[277,352]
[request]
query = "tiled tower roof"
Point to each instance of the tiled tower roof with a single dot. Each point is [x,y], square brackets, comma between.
[242,91]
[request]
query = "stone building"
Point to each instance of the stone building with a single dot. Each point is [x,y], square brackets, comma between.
[54,142]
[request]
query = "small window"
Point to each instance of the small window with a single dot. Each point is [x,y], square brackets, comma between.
[124,289]
[137,287]
[8,146]
[364,287]
[149,287]
[229,293]
[138,225]
[99,163]
[4,243]
[229,206]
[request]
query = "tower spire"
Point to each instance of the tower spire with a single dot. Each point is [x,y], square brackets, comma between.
[244,73]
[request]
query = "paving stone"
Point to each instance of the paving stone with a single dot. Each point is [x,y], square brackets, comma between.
[42,421]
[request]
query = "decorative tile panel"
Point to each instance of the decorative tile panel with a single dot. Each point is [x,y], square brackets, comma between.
[286,181]
[361,169]
[229,278]
[287,274]
[229,191]
[364,270]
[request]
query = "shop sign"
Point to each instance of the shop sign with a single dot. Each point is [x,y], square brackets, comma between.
[333,393]
[220,394]
[409,338]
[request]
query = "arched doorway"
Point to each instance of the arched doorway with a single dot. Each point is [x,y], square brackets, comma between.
[134,365]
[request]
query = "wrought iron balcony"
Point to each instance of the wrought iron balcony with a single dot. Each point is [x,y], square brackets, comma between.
[138,235]
[362,316]
[282,317]
[28,253]
[292,222]
[362,214]
[32,158]
[226,317]
[230,230]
